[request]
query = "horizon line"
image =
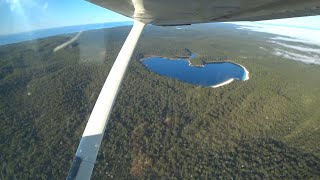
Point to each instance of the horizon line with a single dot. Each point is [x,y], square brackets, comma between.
[32,31]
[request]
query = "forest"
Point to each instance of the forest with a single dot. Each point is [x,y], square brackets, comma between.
[160,128]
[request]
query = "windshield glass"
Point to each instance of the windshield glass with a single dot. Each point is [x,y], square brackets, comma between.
[214,100]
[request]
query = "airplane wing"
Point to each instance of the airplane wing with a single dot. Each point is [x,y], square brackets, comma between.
[179,12]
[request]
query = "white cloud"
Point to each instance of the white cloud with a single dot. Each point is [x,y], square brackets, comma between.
[299,48]
[45,6]
[304,22]
[297,57]
[20,6]
[289,39]
[288,32]
[15,6]
[310,36]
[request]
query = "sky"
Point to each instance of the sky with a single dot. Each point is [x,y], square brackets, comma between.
[28,15]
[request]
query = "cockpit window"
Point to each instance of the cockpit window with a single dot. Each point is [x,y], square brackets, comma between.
[200,101]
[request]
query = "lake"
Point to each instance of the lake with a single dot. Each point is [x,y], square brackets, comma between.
[212,74]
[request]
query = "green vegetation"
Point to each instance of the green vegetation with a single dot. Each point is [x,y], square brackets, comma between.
[267,127]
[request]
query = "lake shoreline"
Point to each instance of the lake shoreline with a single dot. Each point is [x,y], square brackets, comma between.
[223,83]
[188,58]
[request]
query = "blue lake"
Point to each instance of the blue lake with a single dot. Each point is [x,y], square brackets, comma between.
[210,74]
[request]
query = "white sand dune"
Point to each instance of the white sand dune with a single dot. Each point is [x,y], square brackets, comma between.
[63,45]
[223,83]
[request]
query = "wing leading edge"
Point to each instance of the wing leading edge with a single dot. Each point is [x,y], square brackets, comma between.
[176,12]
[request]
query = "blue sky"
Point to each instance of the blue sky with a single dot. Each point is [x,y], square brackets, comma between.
[28,15]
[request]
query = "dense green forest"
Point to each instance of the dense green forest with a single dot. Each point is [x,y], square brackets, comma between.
[267,127]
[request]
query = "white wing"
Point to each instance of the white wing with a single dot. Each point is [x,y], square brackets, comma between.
[175,12]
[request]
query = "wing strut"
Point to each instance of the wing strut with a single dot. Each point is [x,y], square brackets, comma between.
[88,148]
